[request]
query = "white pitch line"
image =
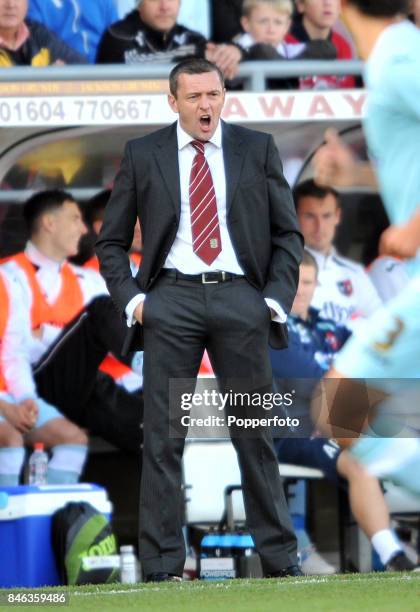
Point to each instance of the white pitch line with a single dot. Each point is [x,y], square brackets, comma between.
[245,583]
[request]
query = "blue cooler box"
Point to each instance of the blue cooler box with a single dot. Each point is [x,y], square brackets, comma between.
[26,554]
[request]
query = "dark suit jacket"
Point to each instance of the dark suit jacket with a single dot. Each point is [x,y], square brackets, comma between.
[260,215]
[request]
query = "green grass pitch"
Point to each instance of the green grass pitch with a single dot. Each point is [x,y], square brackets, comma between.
[355,592]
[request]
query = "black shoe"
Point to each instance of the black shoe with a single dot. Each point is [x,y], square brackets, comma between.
[292,570]
[400,563]
[162,577]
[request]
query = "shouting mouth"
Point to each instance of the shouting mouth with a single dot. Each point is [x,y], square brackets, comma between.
[205,121]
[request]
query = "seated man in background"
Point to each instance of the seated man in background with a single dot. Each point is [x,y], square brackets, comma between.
[62,325]
[93,213]
[313,342]
[31,419]
[27,43]
[266,24]
[344,290]
[315,20]
[151,33]
[79,24]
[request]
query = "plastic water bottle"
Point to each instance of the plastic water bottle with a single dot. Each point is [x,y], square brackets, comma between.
[38,465]
[128,565]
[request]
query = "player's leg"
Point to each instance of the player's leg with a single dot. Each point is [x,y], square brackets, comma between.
[369,508]
[384,354]
[66,441]
[12,454]
[300,451]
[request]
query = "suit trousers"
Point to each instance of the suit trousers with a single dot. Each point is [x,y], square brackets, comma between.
[231,320]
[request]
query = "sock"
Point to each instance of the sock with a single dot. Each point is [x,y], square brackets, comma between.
[11,462]
[297,498]
[386,545]
[66,463]
[303,539]
[297,507]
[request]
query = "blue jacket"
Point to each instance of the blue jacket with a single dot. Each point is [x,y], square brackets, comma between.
[78,23]
[298,368]
[312,345]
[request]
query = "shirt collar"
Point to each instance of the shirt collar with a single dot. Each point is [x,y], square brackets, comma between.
[21,36]
[185,139]
[321,259]
[39,259]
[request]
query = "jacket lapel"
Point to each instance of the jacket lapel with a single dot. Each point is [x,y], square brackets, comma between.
[166,154]
[234,155]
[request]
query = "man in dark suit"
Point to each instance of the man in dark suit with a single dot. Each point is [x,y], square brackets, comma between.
[220,262]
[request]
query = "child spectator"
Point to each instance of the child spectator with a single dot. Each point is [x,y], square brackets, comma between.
[315,20]
[266,24]
[27,43]
[79,24]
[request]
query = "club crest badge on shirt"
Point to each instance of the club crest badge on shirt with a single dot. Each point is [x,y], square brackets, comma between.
[345,287]
[332,341]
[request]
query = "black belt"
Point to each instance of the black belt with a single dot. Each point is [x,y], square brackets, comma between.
[205,278]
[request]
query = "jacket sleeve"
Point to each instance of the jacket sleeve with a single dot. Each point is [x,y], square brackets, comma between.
[116,236]
[110,50]
[286,239]
[59,50]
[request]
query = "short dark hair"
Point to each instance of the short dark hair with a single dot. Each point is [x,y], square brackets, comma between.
[42,202]
[309,260]
[309,189]
[94,209]
[192,66]
[382,8]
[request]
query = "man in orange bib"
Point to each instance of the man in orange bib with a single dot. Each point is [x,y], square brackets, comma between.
[30,419]
[59,328]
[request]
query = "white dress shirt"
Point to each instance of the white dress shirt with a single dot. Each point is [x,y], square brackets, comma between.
[181,256]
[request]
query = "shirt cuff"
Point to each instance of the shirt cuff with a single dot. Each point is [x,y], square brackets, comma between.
[280,316]
[131,306]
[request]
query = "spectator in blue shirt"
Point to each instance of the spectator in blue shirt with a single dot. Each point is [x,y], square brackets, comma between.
[78,23]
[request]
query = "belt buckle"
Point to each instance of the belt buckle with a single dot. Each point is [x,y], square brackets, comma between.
[208,282]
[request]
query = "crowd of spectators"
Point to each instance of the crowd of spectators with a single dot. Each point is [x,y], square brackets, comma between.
[46,32]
